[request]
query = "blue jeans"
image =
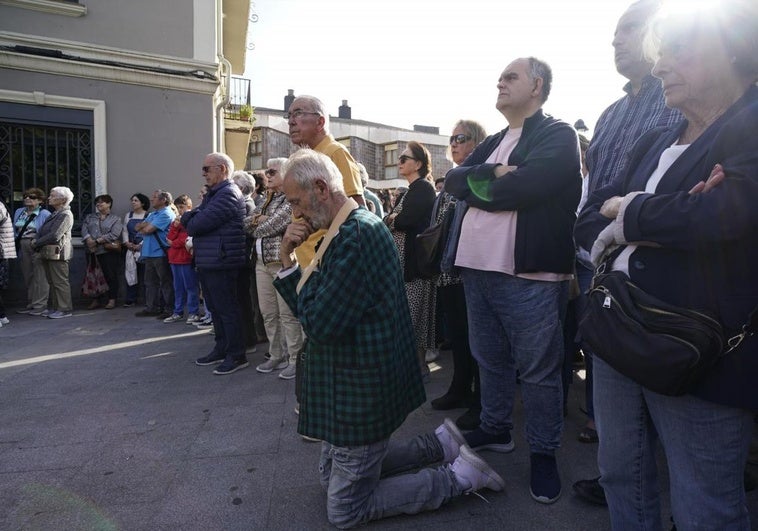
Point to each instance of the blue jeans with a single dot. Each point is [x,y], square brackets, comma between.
[219,290]
[706,448]
[356,492]
[515,323]
[185,289]
[584,276]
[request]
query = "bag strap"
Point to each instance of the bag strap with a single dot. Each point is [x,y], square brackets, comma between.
[747,330]
[26,224]
[338,220]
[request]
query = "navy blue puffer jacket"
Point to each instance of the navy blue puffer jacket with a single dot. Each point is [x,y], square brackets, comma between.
[216,228]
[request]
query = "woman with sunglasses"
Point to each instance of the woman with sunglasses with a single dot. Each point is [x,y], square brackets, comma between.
[410,216]
[464,387]
[26,223]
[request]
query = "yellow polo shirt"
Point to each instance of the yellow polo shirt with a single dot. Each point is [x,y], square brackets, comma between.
[351,180]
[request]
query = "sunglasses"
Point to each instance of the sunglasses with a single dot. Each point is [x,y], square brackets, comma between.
[30,196]
[404,158]
[459,139]
[271,172]
[206,168]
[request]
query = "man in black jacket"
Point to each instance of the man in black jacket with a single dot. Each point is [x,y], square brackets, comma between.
[516,254]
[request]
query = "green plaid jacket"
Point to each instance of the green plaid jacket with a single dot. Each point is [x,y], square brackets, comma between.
[360,376]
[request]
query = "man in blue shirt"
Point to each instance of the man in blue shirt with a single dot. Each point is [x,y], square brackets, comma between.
[158,280]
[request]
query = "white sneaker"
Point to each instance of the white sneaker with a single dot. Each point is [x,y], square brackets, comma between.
[4,321]
[59,315]
[289,372]
[192,318]
[451,439]
[271,365]
[473,473]
[173,318]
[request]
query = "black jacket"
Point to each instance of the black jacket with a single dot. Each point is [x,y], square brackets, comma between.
[545,190]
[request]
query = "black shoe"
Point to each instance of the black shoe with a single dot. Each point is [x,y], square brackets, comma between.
[210,359]
[590,491]
[470,420]
[146,313]
[545,484]
[449,401]
[230,366]
[481,440]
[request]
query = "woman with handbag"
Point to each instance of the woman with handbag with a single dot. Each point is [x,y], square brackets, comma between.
[686,226]
[134,271]
[463,391]
[53,243]
[101,233]
[27,220]
[409,217]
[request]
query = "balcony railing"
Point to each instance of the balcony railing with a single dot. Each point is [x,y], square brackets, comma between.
[239,95]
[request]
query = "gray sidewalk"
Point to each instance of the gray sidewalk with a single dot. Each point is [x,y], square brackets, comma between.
[106,423]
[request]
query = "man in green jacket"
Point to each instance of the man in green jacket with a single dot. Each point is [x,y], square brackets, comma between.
[360,378]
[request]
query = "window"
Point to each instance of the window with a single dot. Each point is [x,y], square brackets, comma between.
[390,161]
[70,8]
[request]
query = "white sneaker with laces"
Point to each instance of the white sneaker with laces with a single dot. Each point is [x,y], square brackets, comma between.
[473,473]
[451,439]
[192,318]
[4,321]
[173,318]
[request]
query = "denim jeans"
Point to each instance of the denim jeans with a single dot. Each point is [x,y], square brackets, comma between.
[185,289]
[356,492]
[219,290]
[706,447]
[515,323]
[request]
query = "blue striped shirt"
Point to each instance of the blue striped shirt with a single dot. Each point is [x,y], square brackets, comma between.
[621,125]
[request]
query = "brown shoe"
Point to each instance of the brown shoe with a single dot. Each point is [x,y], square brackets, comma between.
[94,305]
[111,304]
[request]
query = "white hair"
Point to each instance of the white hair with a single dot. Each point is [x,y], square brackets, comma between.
[64,192]
[306,166]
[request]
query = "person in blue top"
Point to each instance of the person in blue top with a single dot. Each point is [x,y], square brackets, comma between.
[26,222]
[158,280]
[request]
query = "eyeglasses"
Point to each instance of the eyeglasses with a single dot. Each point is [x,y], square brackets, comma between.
[30,196]
[404,158]
[459,139]
[297,114]
[270,172]
[206,168]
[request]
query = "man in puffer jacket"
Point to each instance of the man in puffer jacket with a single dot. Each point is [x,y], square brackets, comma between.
[219,244]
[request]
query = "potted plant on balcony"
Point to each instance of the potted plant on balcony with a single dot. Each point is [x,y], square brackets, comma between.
[246,111]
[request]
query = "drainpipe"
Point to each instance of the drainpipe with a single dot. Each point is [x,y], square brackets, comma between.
[225,77]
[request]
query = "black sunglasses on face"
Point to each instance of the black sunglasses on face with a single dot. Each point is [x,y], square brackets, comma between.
[30,196]
[404,158]
[459,139]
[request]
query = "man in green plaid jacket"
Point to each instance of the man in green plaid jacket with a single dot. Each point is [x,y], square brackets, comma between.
[360,377]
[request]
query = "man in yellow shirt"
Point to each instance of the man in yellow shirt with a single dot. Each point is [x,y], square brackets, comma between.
[309,126]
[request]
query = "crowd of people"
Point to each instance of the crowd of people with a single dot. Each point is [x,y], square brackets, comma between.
[328,272]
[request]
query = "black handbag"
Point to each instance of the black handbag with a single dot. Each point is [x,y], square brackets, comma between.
[430,244]
[662,347]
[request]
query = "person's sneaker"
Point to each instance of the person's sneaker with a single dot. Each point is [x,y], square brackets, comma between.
[545,485]
[230,366]
[251,350]
[481,440]
[431,354]
[310,439]
[23,311]
[45,313]
[590,491]
[451,440]
[163,315]
[175,318]
[59,315]
[4,320]
[39,311]
[210,359]
[271,365]
[289,372]
[473,473]
[146,313]
[204,325]
[128,304]
[192,318]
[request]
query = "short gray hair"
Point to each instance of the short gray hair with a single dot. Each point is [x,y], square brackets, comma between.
[64,192]
[540,69]
[165,196]
[244,182]
[276,162]
[306,166]
[364,173]
[222,159]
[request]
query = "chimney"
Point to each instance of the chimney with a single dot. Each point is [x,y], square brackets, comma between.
[426,129]
[288,99]
[345,111]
